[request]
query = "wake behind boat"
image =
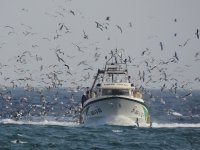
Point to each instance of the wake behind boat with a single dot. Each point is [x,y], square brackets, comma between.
[113,99]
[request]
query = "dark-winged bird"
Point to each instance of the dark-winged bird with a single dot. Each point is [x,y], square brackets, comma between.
[197,33]
[119,28]
[176,56]
[161,46]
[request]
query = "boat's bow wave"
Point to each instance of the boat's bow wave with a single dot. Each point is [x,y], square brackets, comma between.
[75,124]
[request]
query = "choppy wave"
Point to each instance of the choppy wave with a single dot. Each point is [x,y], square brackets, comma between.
[43,122]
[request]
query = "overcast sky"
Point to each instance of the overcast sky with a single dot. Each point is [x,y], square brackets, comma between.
[34,33]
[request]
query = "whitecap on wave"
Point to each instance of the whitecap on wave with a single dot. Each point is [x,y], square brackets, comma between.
[175,125]
[117,131]
[43,122]
[18,142]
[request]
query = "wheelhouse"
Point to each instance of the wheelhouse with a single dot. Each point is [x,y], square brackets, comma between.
[124,92]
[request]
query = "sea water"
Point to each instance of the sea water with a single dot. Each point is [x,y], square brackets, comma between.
[48,119]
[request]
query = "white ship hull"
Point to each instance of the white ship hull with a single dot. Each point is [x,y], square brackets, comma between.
[115,110]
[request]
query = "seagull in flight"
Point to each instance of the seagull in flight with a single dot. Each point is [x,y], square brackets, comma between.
[119,28]
[186,42]
[85,35]
[59,58]
[66,66]
[9,27]
[197,33]
[98,25]
[72,12]
[79,48]
[176,56]
[161,46]
[145,51]
[130,24]
[108,18]
[175,20]
[163,87]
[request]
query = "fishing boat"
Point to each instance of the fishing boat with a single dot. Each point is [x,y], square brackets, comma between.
[112,98]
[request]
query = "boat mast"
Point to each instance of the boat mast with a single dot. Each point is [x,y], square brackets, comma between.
[114,61]
[115,64]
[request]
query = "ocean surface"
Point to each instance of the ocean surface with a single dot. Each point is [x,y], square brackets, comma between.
[47,119]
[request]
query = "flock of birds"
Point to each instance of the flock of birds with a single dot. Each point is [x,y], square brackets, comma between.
[50,76]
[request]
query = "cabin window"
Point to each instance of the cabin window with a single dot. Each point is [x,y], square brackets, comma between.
[115,92]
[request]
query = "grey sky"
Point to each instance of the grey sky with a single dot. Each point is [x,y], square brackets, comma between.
[35,23]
